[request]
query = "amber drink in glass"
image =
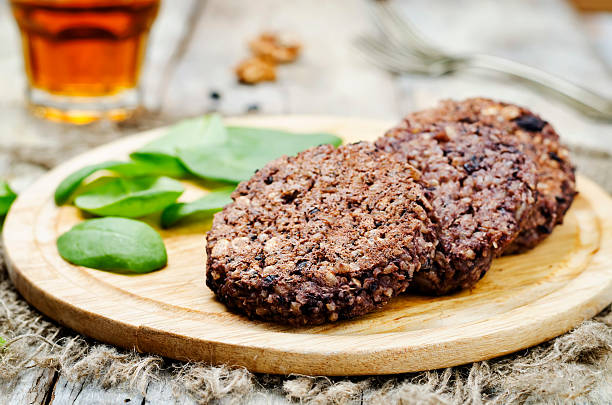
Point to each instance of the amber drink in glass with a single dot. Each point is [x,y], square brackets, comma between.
[83,57]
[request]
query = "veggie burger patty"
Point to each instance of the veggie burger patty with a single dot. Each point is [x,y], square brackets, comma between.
[324,235]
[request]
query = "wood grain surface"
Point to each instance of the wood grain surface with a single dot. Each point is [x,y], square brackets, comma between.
[524,299]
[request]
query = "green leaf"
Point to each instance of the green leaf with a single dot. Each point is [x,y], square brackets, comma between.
[138,169]
[193,133]
[246,150]
[116,196]
[114,244]
[2,341]
[201,208]
[70,184]
[7,196]
[74,180]
[168,165]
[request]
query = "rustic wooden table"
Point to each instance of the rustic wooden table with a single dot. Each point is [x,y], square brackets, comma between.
[196,43]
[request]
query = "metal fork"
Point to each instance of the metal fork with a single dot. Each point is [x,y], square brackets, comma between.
[403,50]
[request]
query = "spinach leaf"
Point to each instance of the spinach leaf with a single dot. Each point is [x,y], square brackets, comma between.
[246,150]
[70,184]
[198,209]
[136,197]
[136,169]
[188,134]
[7,196]
[114,244]
[74,180]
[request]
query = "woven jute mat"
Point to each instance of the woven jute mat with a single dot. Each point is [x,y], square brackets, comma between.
[573,368]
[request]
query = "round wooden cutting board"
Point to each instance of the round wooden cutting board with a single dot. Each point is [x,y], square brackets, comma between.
[522,301]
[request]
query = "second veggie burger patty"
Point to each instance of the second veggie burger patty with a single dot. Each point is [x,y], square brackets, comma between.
[556,185]
[482,188]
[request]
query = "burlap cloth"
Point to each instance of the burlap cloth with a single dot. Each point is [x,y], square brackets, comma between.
[573,368]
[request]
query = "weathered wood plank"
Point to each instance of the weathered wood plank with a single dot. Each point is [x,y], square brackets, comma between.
[168,33]
[29,387]
[329,78]
[164,392]
[599,29]
[161,391]
[264,398]
[88,392]
[219,43]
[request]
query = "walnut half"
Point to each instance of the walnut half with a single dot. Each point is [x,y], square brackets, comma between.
[255,70]
[275,48]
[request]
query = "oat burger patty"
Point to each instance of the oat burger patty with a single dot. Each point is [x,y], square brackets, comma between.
[482,189]
[539,140]
[328,234]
